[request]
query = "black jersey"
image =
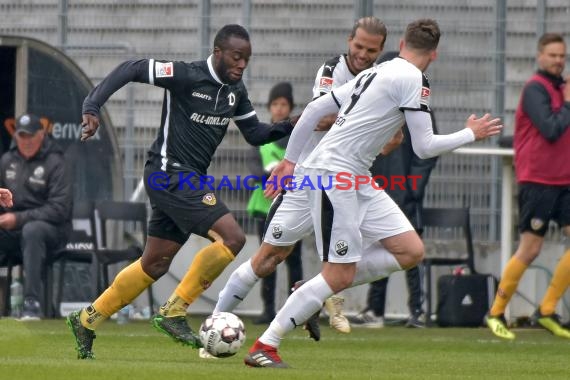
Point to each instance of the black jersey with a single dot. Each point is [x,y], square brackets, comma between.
[196,110]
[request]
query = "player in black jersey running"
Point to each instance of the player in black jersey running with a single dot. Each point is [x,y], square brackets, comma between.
[200,99]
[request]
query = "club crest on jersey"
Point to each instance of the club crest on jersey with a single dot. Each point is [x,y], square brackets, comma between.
[276,231]
[325,84]
[163,70]
[341,247]
[536,224]
[209,199]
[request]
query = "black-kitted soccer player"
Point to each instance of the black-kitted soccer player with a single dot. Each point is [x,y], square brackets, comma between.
[200,99]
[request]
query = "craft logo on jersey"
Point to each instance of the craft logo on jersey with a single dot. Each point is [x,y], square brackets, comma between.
[197,94]
[325,84]
[164,70]
[209,199]
[341,247]
[276,231]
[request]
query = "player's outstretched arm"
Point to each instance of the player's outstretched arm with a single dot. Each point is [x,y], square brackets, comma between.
[484,127]
[89,124]
[394,142]
[275,182]
[305,125]
[426,144]
[128,71]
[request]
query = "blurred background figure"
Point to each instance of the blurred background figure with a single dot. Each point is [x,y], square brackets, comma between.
[263,159]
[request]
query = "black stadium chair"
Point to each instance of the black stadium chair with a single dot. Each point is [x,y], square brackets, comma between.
[450,219]
[80,248]
[107,254]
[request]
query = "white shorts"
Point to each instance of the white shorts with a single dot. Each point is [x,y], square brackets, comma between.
[348,220]
[289,219]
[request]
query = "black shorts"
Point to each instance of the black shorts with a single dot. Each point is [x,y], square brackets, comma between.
[538,204]
[180,205]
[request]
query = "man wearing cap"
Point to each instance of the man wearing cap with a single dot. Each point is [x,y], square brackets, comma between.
[39,222]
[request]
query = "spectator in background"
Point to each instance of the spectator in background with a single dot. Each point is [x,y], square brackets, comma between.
[541,142]
[263,160]
[34,170]
[402,161]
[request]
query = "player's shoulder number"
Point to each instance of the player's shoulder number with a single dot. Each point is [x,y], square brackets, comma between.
[361,85]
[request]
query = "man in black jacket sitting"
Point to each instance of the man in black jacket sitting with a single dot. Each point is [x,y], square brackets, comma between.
[40,220]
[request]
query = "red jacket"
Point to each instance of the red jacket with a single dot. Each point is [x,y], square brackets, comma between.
[541,154]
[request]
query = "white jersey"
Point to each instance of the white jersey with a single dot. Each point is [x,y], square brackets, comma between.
[371,111]
[332,74]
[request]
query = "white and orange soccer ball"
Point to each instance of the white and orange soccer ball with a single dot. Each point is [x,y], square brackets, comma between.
[222,334]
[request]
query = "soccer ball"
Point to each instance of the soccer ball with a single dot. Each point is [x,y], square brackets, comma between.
[222,334]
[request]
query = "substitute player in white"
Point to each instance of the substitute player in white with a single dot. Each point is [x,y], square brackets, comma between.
[361,233]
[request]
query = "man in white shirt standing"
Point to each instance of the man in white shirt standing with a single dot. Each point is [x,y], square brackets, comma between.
[361,233]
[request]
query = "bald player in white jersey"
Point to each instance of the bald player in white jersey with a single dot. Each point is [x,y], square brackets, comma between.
[361,233]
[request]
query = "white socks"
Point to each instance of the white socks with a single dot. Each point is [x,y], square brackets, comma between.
[300,306]
[237,288]
[376,263]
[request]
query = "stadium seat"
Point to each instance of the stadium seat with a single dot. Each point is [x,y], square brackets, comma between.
[107,254]
[453,220]
[80,248]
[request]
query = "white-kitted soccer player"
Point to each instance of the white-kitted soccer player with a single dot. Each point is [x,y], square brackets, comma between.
[290,220]
[361,233]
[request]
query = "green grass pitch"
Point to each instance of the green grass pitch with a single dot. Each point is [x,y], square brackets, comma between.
[135,351]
